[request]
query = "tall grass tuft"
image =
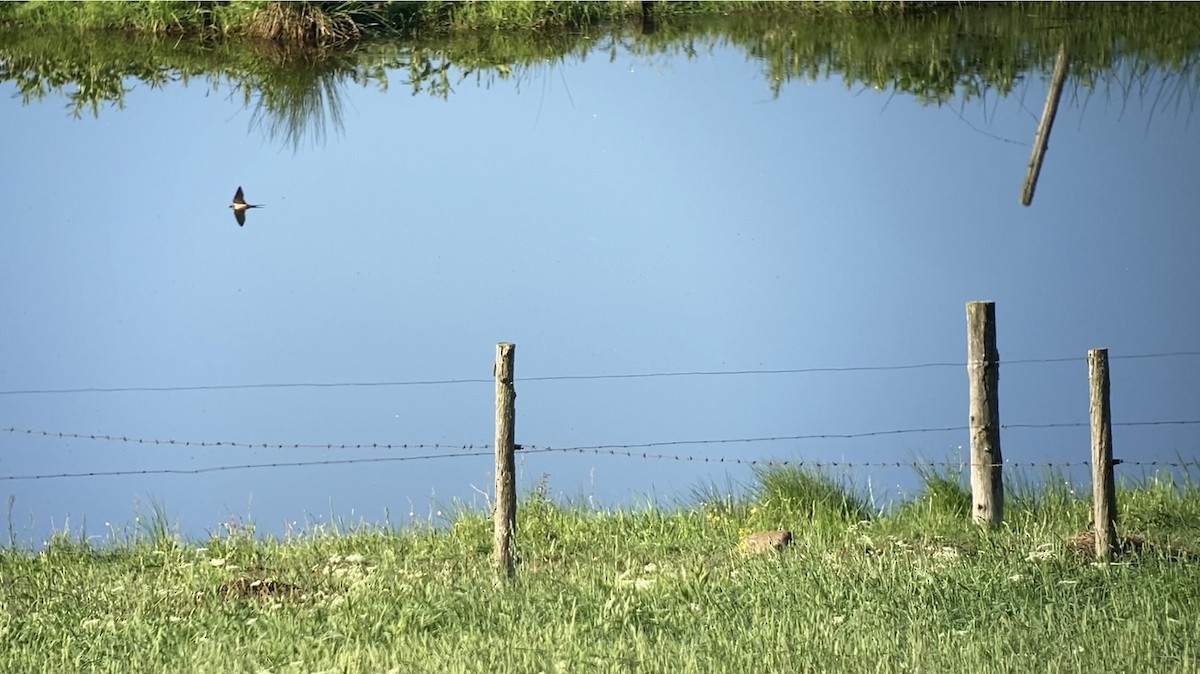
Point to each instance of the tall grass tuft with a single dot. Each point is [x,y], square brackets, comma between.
[719,499]
[943,493]
[305,24]
[156,527]
[811,493]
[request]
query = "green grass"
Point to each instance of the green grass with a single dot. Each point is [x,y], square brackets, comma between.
[916,588]
[331,23]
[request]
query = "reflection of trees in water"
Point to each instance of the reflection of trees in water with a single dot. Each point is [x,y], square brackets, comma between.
[295,94]
[1157,87]
[301,97]
[961,54]
[77,69]
[288,114]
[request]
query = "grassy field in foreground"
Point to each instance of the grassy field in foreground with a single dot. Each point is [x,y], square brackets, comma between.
[916,589]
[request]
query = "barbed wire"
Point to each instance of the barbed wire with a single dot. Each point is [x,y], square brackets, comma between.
[244,466]
[796,463]
[842,436]
[579,377]
[234,444]
[801,463]
[466,447]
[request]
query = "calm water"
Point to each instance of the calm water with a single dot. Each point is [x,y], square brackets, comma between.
[611,216]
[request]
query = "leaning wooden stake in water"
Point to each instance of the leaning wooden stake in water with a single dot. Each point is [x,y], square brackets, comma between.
[1042,140]
[1104,497]
[505,515]
[983,373]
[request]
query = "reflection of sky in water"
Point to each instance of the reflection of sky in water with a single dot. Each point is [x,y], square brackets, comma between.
[608,218]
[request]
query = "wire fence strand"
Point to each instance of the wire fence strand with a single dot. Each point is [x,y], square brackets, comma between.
[234,444]
[795,463]
[244,466]
[580,377]
[391,446]
[802,463]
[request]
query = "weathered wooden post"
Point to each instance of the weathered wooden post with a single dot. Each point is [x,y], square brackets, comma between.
[983,371]
[505,515]
[1104,497]
[1042,140]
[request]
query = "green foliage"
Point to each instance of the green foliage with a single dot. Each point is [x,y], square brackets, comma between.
[532,15]
[332,22]
[305,55]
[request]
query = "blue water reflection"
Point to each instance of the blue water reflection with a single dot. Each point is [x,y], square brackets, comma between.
[635,216]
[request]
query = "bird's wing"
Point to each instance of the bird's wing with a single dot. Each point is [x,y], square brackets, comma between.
[240,216]
[238,198]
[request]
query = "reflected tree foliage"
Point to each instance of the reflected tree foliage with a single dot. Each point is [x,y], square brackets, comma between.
[1124,52]
[81,70]
[303,105]
[300,95]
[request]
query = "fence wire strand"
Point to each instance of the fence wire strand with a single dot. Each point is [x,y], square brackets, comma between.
[244,466]
[389,446]
[796,463]
[801,463]
[581,377]
[239,445]
[635,450]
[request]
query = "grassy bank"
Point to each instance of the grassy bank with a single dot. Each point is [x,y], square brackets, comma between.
[332,23]
[916,589]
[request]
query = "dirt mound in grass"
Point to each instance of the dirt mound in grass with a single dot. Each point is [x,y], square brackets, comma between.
[259,588]
[1084,544]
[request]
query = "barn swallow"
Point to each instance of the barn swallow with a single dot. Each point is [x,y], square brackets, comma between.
[240,207]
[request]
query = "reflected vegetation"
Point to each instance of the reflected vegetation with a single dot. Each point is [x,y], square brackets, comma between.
[1123,52]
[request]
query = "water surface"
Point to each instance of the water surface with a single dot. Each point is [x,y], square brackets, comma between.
[615,210]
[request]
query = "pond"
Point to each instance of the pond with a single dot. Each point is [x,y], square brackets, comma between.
[714,245]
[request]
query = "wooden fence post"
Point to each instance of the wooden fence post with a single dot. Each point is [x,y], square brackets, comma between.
[983,371]
[1104,497]
[505,516]
[1042,140]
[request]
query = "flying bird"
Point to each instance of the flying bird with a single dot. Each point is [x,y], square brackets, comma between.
[240,207]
